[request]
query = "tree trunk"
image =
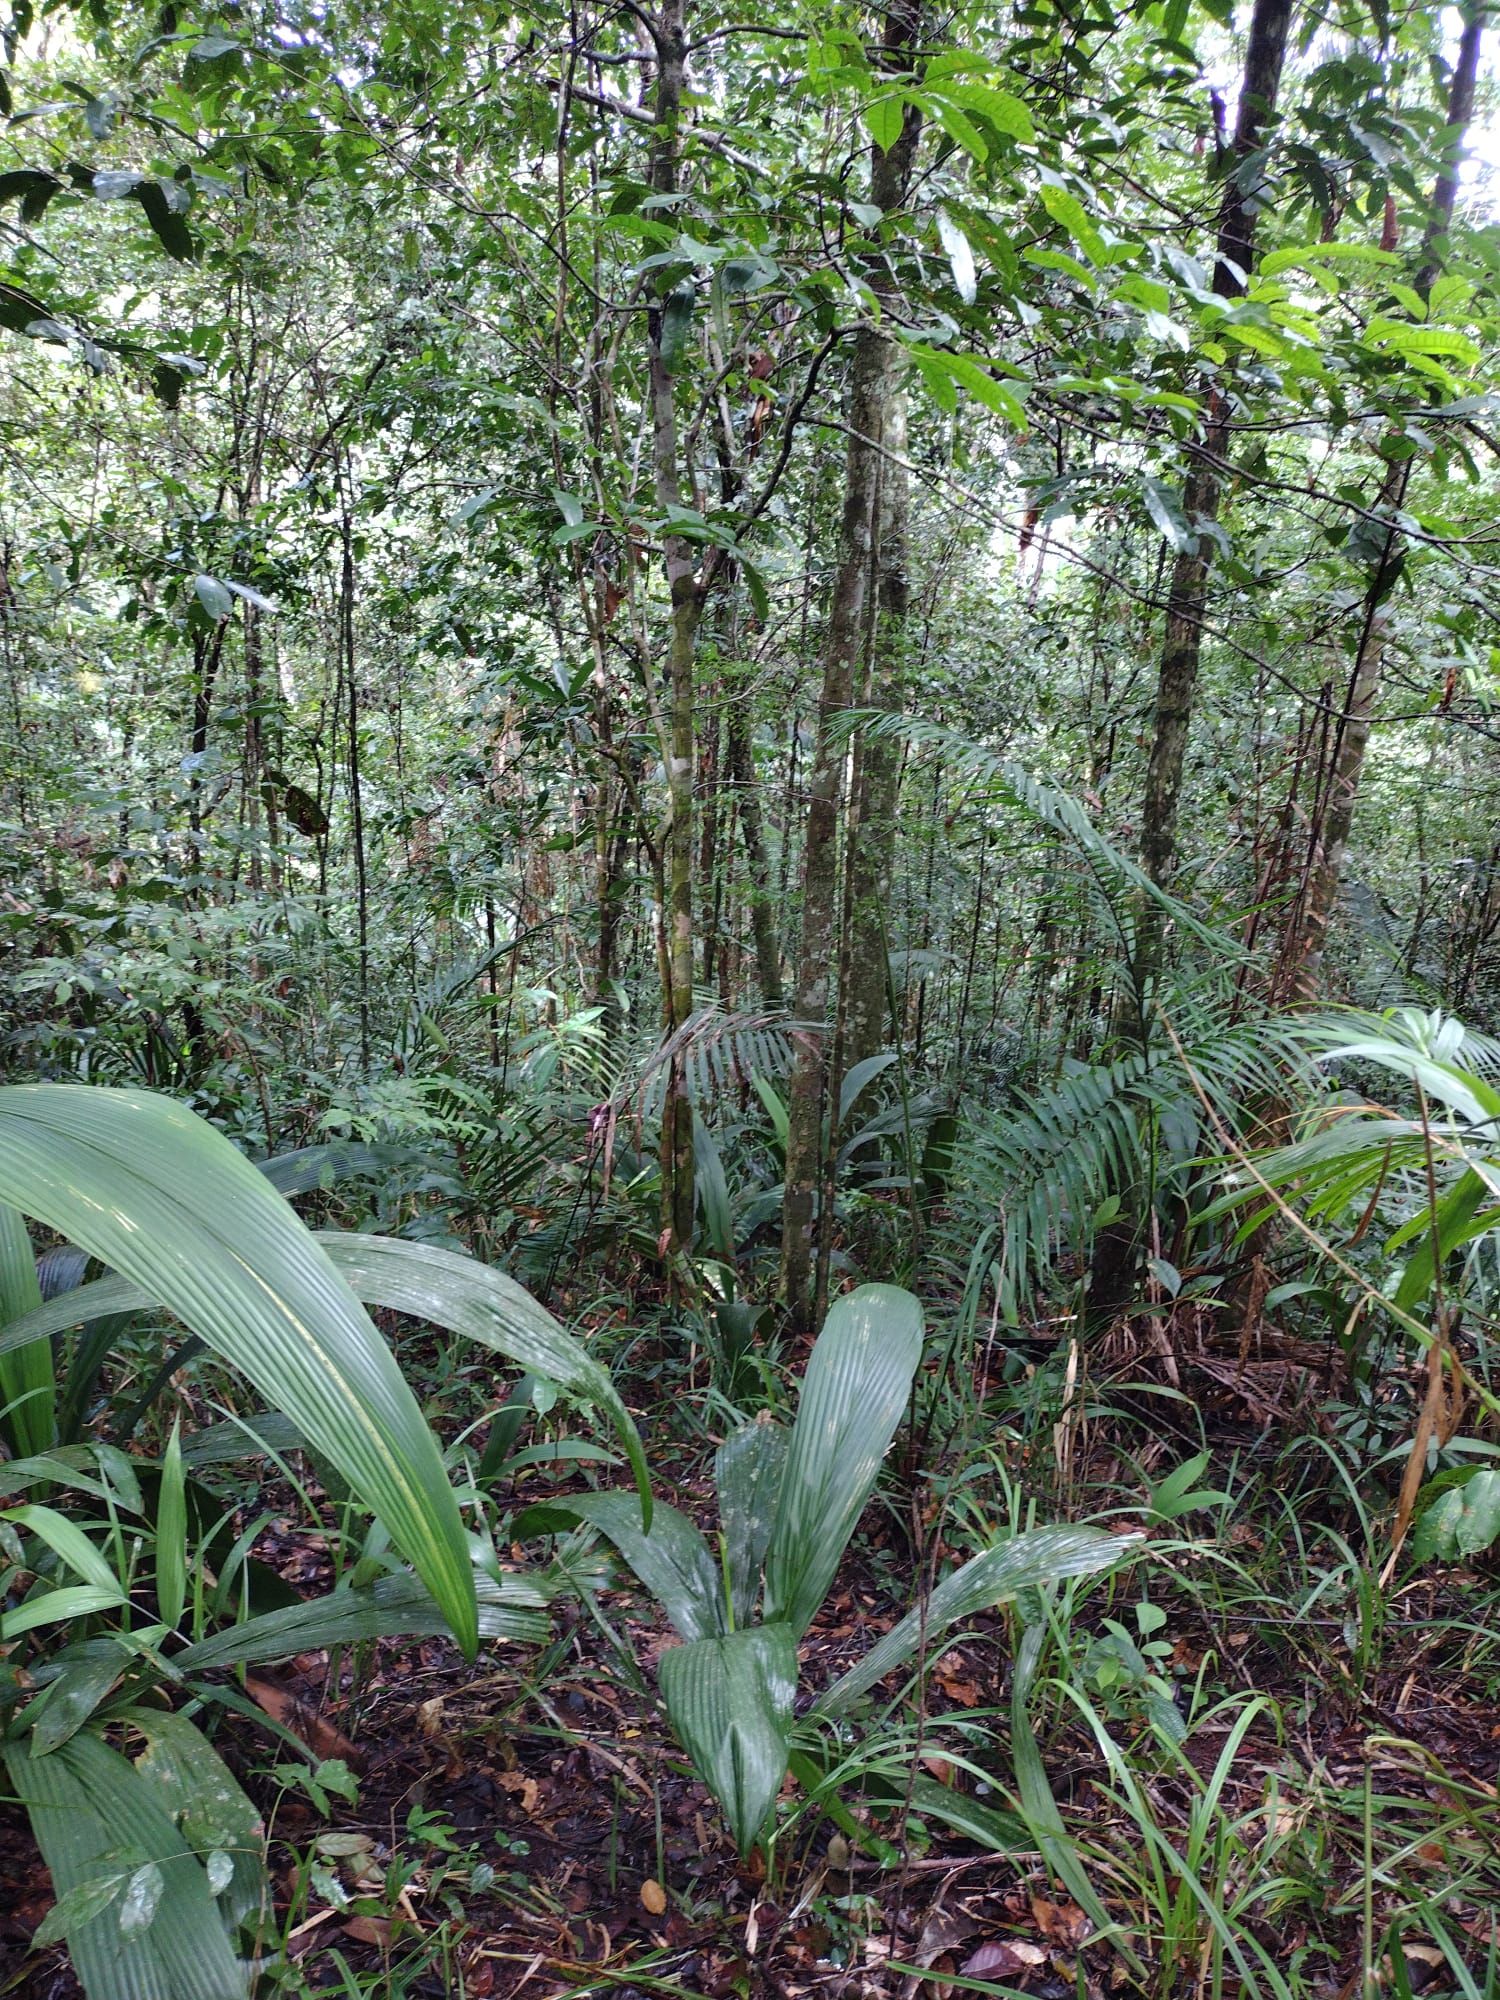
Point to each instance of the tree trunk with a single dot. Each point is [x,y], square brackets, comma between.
[739,760]
[1307,929]
[880,757]
[1183,642]
[669,33]
[869,398]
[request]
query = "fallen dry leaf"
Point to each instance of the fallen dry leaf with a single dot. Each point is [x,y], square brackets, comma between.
[369,1930]
[517,1781]
[1004,1957]
[1059,1923]
[319,1736]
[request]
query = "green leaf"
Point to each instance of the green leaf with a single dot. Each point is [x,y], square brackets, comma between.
[1039,1807]
[676,324]
[171,1534]
[748,1468]
[1165,509]
[730,1699]
[855,1391]
[960,257]
[1464,1521]
[671,1559]
[213,596]
[27,1389]
[883,118]
[88,1805]
[393,1607]
[67,1541]
[57,1607]
[1025,1562]
[72,1911]
[482,1304]
[152,1191]
[84,1682]
[194,1784]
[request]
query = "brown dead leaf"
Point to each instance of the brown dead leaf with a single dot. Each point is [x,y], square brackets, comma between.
[1004,1958]
[369,1930]
[517,1781]
[1059,1923]
[430,1716]
[320,1737]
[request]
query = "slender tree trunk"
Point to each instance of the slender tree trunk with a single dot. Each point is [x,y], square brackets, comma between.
[1183,643]
[1307,929]
[869,396]
[880,756]
[738,758]
[669,33]
[356,788]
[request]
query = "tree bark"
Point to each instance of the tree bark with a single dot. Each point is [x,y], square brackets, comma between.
[669,33]
[1182,645]
[739,760]
[869,398]
[1307,929]
[879,785]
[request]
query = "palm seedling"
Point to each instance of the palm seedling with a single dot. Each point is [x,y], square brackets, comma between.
[157,1856]
[789,1501]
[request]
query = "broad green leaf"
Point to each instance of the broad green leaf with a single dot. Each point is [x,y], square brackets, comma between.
[58,1607]
[1464,1521]
[1450,1226]
[747,1471]
[730,1700]
[138,1905]
[84,1682]
[1165,509]
[87,1804]
[1025,1562]
[198,1789]
[27,1389]
[393,1607]
[83,1901]
[671,1559]
[212,595]
[166,1201]
[483,1304]
[855,1391]
[101,1297]
[883,118]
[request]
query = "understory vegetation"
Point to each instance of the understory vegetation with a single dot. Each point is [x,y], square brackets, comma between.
[750,948]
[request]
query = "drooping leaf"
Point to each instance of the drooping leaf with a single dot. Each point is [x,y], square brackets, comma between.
[960,257]
[480,1303]
[393,1607]
[730,1699]
[856,1387]
[1025,1562]
[161,1197]
[672,1559]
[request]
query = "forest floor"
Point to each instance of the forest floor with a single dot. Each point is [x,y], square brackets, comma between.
[547,1839]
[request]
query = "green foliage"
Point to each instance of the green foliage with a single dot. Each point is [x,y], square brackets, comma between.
[787,1508]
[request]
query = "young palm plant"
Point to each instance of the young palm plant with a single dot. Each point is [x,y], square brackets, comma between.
[788,1505]
[157,1859]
